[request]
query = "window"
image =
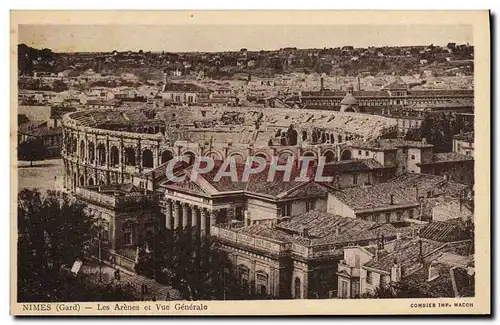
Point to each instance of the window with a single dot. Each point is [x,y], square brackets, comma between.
[410,214]
[369,276]
[412,157]
[309,205]
[367,153]
[322,276]
[359,152]
[468,153]
[375,217]
[127,236]
[399,216]
[238,213]
[343,292]
[357,262]
[287,209]
[355,179]
[388,217]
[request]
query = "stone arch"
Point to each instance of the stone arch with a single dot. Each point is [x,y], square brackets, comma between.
[74,145]
[91,151]
[82,148]
[332,138]
[346,155]
[101,154]
[191,156]
[129,156]
[340,138]
[323,137]
[262,155]
[304,135]
[147,159]
[91,181]
[215,155]
[309,154]
[82,180]
[284,154]
[238,157]
[297,289]
[114,156]
[166,156]
[75,180]
[329,156]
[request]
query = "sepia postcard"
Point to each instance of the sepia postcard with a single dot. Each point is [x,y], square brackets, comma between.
[197,163]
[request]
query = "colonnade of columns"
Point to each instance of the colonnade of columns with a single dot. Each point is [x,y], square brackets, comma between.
[188,216]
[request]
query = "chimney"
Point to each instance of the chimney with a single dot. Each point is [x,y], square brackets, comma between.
[392,199]
[396,273]
[424,140]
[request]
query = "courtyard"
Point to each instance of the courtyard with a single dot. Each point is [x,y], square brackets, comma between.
[44,175]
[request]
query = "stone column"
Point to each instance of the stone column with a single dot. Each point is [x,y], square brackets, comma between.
[168,213]
[185,212]
[213,214]
[195,211]
[203,222]
[177,212]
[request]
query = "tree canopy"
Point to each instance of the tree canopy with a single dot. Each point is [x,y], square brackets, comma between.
[54,231]
[31,150]
[197,267]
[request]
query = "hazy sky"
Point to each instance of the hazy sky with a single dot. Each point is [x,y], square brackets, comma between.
[207,38]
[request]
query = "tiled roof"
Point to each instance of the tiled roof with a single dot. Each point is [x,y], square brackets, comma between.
[403,189]
[445,157]
[184,87]
[353,165]
[38,131]
[444,232]
[322,228]
[408,255]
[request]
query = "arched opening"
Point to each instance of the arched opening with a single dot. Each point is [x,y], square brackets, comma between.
[166,156]
[129,157]
[101,154]
[304,135]
[82,149]
[329,156]
[340,138]
[115,156]
[82,180]
[332,138]
[350,110]
[262,156]
[308,154]
[238,158]
[147,159]
[74,144]
[91,181]
[191,156]
[297,289]
[323,138]
[74,181]
[346,155]
[283,157]
[91,151]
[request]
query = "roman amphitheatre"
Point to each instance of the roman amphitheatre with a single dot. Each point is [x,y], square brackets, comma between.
[111,146]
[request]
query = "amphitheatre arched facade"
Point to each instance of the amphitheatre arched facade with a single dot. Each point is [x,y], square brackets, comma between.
[111,146]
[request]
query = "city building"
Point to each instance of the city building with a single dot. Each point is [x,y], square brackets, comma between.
[464,144]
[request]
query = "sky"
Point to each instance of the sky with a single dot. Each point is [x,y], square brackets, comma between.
[215,38]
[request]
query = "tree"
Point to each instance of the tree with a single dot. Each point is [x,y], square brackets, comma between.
[53,231]
[198,267]
[31,149]
[401,289]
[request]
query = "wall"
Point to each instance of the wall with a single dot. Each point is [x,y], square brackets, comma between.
[335,206]
[368,287]
[381,217]
[450,210]
[414,157]
[261,210]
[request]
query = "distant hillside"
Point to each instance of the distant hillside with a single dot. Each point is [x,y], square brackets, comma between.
[30,59]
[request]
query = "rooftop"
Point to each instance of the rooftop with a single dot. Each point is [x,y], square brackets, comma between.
[469,137]
[389,144]
[403,188]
